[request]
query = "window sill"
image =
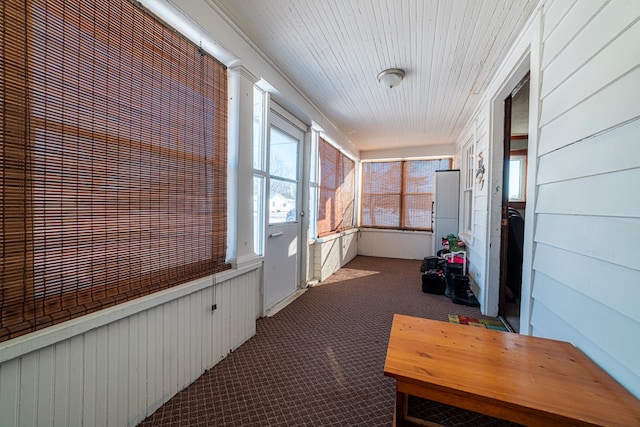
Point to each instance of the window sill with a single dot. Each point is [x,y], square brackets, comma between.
[466,237]
[518,205]
[393,230]
[335,236]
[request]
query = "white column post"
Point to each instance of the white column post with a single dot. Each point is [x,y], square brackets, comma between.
[240,167]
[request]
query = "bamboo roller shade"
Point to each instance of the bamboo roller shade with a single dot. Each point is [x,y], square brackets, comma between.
[113,159]
[398,194]
[337,190]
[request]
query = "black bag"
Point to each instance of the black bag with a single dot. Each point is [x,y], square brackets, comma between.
[433,283]
[429,263]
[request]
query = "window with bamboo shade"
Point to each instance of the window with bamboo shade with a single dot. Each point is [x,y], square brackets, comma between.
[113,157]
[337,190]
[398,194]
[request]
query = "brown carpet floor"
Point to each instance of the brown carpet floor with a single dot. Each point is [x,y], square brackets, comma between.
[319,361]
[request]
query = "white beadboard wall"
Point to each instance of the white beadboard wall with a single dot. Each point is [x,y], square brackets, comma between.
[119,373]
[586,282]
[395,243]
[332,252]
[477,131]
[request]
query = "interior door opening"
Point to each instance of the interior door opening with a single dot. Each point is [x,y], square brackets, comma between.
[516,125]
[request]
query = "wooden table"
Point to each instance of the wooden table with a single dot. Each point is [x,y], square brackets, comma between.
[528,380]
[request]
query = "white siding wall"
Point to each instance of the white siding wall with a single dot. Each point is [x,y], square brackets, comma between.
[586,281]
[582,237]
[119,373]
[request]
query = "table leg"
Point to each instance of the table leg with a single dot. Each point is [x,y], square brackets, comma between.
[400,411]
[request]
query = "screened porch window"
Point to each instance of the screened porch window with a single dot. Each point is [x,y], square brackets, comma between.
[113,182]
[399,194]
[337,190]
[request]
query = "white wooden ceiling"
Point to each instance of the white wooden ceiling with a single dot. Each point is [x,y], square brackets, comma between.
[332,50]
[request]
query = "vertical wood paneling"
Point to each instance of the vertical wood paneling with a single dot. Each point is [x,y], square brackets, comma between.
[168,373]
[46,376]
[195,333]
[102,377]
[113,373]
[61,384]
[28,394]
[181,358]
[90,369]
[154,369]
[333,253]
[223,324]
[208,325]
[120,373]
[395,244]
[123,372]
[131,382]
[76,380]
[141,373]
[9,391]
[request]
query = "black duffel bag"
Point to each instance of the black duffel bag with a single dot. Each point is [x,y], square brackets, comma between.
[433,282]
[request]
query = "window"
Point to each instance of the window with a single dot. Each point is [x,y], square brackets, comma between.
[283,175]
[517,175]
[114,159]
[467,190]
[337,190]
[399,194]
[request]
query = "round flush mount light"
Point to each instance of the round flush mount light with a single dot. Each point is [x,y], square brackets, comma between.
[391,77]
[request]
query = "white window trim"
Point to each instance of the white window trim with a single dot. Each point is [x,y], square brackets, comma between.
[468,190]
[522,159]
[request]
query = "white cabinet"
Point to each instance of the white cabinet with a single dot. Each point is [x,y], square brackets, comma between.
[446,206]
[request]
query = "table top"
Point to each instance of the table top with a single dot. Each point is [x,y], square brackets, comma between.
[536,376]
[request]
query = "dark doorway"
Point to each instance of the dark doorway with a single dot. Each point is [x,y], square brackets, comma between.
[516,125]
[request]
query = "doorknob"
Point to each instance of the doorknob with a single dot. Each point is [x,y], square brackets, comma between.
[276,234]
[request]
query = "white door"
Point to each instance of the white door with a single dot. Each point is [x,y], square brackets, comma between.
[283,231]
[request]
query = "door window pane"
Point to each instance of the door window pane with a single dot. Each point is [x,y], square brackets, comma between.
[282,201]
[283,156]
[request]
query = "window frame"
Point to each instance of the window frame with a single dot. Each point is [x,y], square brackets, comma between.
[27,304]
[522,156]
[402,195]
[468,183]
[342,212]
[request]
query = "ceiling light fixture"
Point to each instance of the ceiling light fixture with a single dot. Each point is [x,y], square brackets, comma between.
[391,77]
